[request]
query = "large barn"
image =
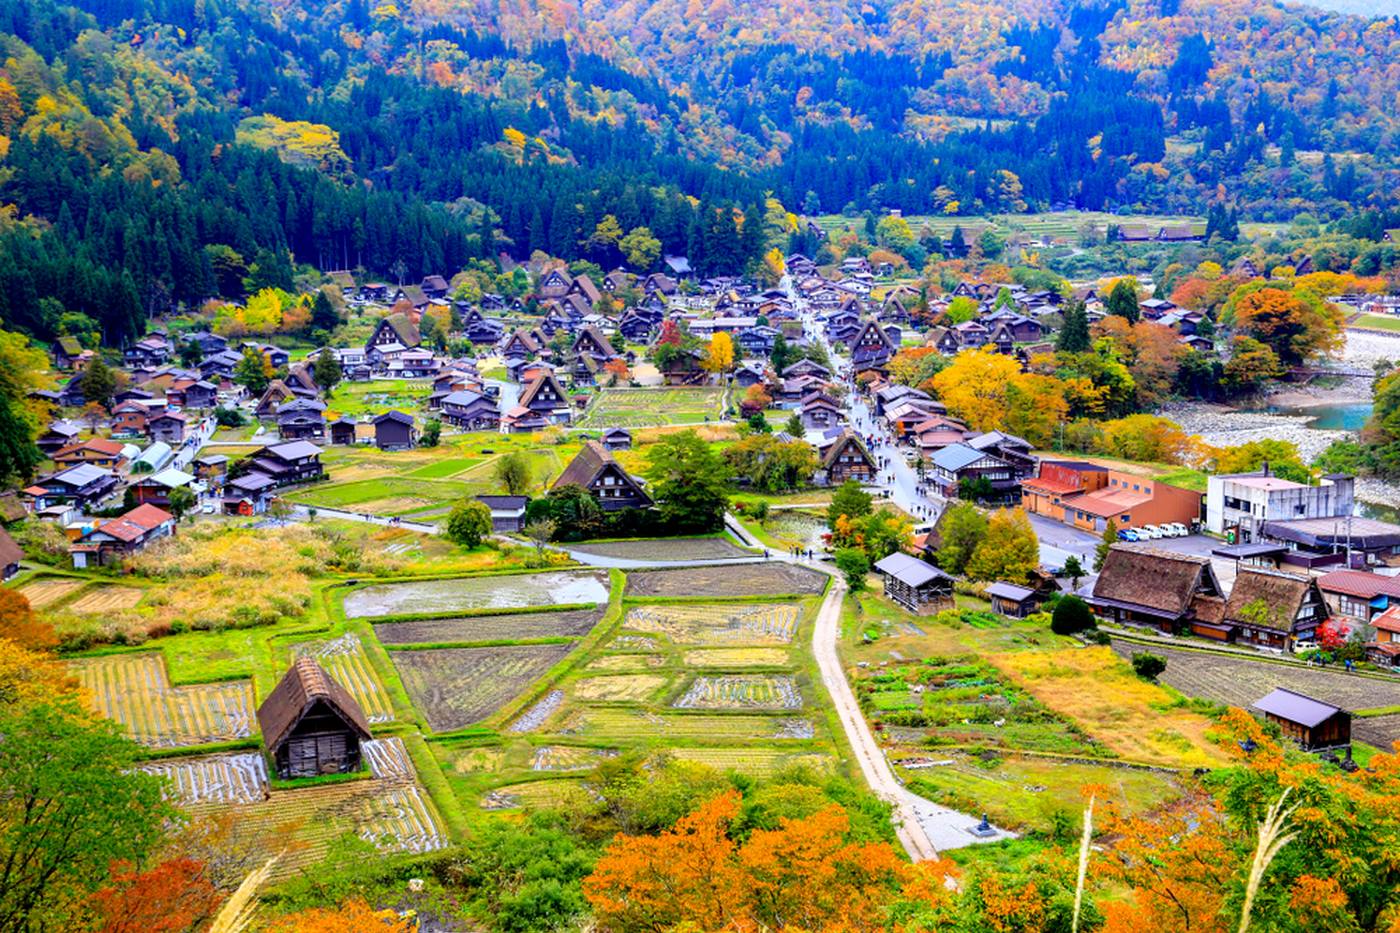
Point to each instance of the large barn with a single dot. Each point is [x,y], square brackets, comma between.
[311,725]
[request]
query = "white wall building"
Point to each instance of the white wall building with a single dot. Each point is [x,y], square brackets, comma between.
[1242,502]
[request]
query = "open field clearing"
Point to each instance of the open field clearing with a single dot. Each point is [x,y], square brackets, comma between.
[44,593]
[513,627]
[736,657]
[738,624]
[756,762]
[625,662]
[640,408]
[727,580]
[443,468]
[1024,793]
[662,549]
[624,726]
[500,592]
[1096,689]
[556,793]
[1388,322]
[741,691]
[344,659]
[456,687]
[634,689]
[134,690]
[1239,681]
[568,758]
[237,778]
[107,599]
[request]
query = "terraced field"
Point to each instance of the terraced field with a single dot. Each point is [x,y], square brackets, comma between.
[236,778]
[719,624]
[107,599]
[135,691]
[628,688]
[344,659]
[641,408]
[456,687]
[555,793]
[736,657]
[756,762]
[513,627]
[44,593]
[507,591]
[721,580]
[623,725]
[568,758]
[663,549]
[741,691]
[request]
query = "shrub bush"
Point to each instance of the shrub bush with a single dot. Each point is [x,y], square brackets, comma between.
[1071,615]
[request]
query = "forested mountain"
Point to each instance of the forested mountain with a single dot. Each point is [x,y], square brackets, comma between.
[157,152]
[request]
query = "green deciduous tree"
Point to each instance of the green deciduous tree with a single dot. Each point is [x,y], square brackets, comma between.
[962,527]
[848,500]
[1071,615]
[688,481]
[327,370]
[469,523]
[854,566]
[1010,550]
[515,473]
[180,502]
[252,371]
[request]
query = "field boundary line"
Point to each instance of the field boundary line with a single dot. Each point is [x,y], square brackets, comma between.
[1251,658]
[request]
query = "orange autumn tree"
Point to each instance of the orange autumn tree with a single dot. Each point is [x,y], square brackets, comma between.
[173,897]
[353,916]
[804,875]
[21,624]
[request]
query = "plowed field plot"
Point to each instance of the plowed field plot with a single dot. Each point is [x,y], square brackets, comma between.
[399,818]
[662,549]
[44,593]
[1239,681]
[514,627]
[623,725]
[634,689]
[741,691]
[739,624]
[726,580]
[625,662]
[456,687]
[568,758]
[757,762]
[108,599]
[240,778]
[387,758]
[1380,731]
[640,408]
[557,794]
[508,591]
[736,657]
[135,691]
[344,659]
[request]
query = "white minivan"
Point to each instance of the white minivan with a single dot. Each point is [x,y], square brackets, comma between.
[1179,530]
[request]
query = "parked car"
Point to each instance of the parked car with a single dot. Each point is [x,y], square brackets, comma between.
[1148,532]
[1129,534]
[1179,530]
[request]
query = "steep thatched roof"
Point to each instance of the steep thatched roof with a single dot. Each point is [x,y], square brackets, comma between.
[1278,592]
[303,686]
[1160,581]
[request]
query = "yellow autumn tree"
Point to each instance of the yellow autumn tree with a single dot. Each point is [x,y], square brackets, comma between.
[719,355]
[975,387]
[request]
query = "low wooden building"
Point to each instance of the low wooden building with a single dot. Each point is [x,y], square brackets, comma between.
[1019,600]
[915,585]
[311,725]
[1313,724]
[1164,590]
[1273,609]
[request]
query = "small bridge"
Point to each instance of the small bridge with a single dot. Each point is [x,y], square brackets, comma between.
[1309,373]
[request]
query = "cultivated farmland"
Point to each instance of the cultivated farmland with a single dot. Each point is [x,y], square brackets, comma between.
[736,657]
[758,762]
[237,778]
[663,549]
[634,688]
[44,593]
[456,687]
[135,691]
[107,599]
[344,659]
[507,591]
[757,579]
[513,627]
[625,725]
[717,624]
[568,757]
[741,691]
[640,408]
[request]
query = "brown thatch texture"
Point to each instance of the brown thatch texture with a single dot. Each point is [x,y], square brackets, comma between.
[1151,577]
[1279,592]
[301,687]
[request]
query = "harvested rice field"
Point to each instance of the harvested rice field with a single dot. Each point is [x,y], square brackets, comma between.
[665,549]
[721,580]
[506,591]
[634,689]
[555,793]
[135,691]
[522,626]
[756,762]
[568,757]
[107,599]
[741,691]
[629,725]
[44,593]
[625,662]
[344,659]
[736,657]
[237,778]
[457,687]
[733,624]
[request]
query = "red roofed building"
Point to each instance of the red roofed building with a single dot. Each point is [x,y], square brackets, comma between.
[123,535]
[1358,596]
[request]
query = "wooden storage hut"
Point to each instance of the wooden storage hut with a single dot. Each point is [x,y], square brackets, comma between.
[915,585]
[1311,723]
[311,725]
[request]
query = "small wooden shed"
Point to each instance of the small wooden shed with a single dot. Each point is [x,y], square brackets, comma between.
[915,585]
[1311,723]
[311,725]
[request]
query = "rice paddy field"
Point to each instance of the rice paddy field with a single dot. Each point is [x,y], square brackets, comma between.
[717,624]
[641,408]
[474,593]
[344,659]
[134,690]
[107,599]
[458,687]
[721,581]
[468,629]
[48,591]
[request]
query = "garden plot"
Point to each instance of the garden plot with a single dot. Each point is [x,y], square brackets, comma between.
[736,657]
[507,591]
[568,758]
[738,624]
[624,725]
[664,549]
[634,689]
[756,762]
[512,627]
[741,691]
[400,819]
[456,687]
[344,659]
[640,408]
[108,599]
[44,593]
[1237,680]
[240,778]
[135,691]
[719,580]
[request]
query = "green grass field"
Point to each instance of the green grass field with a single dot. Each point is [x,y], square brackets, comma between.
[640,408]
[1378,322]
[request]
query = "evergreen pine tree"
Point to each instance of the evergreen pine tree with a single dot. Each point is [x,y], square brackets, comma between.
[1074,333]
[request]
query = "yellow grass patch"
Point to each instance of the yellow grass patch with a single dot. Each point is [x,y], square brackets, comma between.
[624,662]
[1095,688]
[633,687]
